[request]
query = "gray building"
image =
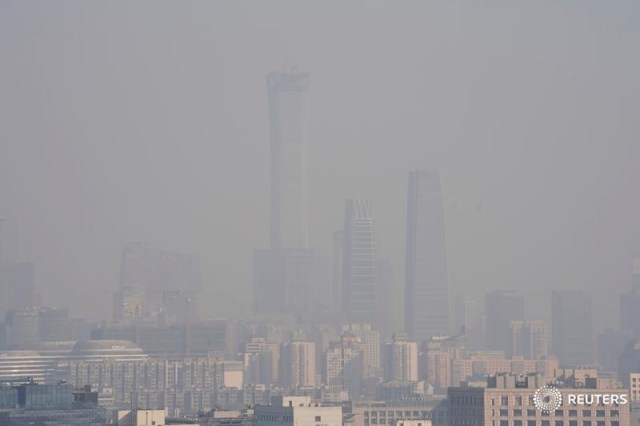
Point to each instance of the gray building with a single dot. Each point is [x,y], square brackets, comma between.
[572,327]
[288,104]
[360,284]
[502,307]
[630,303]
[283,274]
[427,283]
[17,286]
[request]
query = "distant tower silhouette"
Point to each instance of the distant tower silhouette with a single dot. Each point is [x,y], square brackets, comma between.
[572,327]
[288,104]
[360,285]
[427,282]
[282,275]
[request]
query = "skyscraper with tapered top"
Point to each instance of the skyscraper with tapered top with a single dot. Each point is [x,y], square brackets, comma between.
[283,273]
[427,282]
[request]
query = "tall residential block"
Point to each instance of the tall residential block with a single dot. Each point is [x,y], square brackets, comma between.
[298,364]
[401,360]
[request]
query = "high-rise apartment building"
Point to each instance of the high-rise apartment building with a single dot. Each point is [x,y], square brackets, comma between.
[529,339]
[360,285]
[344,365]
[502,307]
[298,364]
[401,360]
[572,327]
[370,340]
[427,283]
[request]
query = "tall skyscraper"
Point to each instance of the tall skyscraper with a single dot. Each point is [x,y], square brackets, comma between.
[283,275]
[572,327]
[360,285]
[502,307]
[288,104]
[427,283]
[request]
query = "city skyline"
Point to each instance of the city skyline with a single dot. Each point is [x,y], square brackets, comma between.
[161,134]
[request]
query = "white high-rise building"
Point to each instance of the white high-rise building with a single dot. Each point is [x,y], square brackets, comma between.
[401,361]
[298,364]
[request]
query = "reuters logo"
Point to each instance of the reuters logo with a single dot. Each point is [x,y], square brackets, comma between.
[547,398]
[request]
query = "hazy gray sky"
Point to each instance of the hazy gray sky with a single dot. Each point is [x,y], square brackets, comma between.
[147,121]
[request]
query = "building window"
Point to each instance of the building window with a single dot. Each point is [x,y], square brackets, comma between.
[517,413]
[559,413]
[586,413]
[559,423]
[318,419]
[531,413]
[573,413]
[504,413]
[531,423]
[615,413]
[504,400]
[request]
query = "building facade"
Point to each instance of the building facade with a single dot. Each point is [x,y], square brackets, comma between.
[572,327]
[508,400]
[427,282]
